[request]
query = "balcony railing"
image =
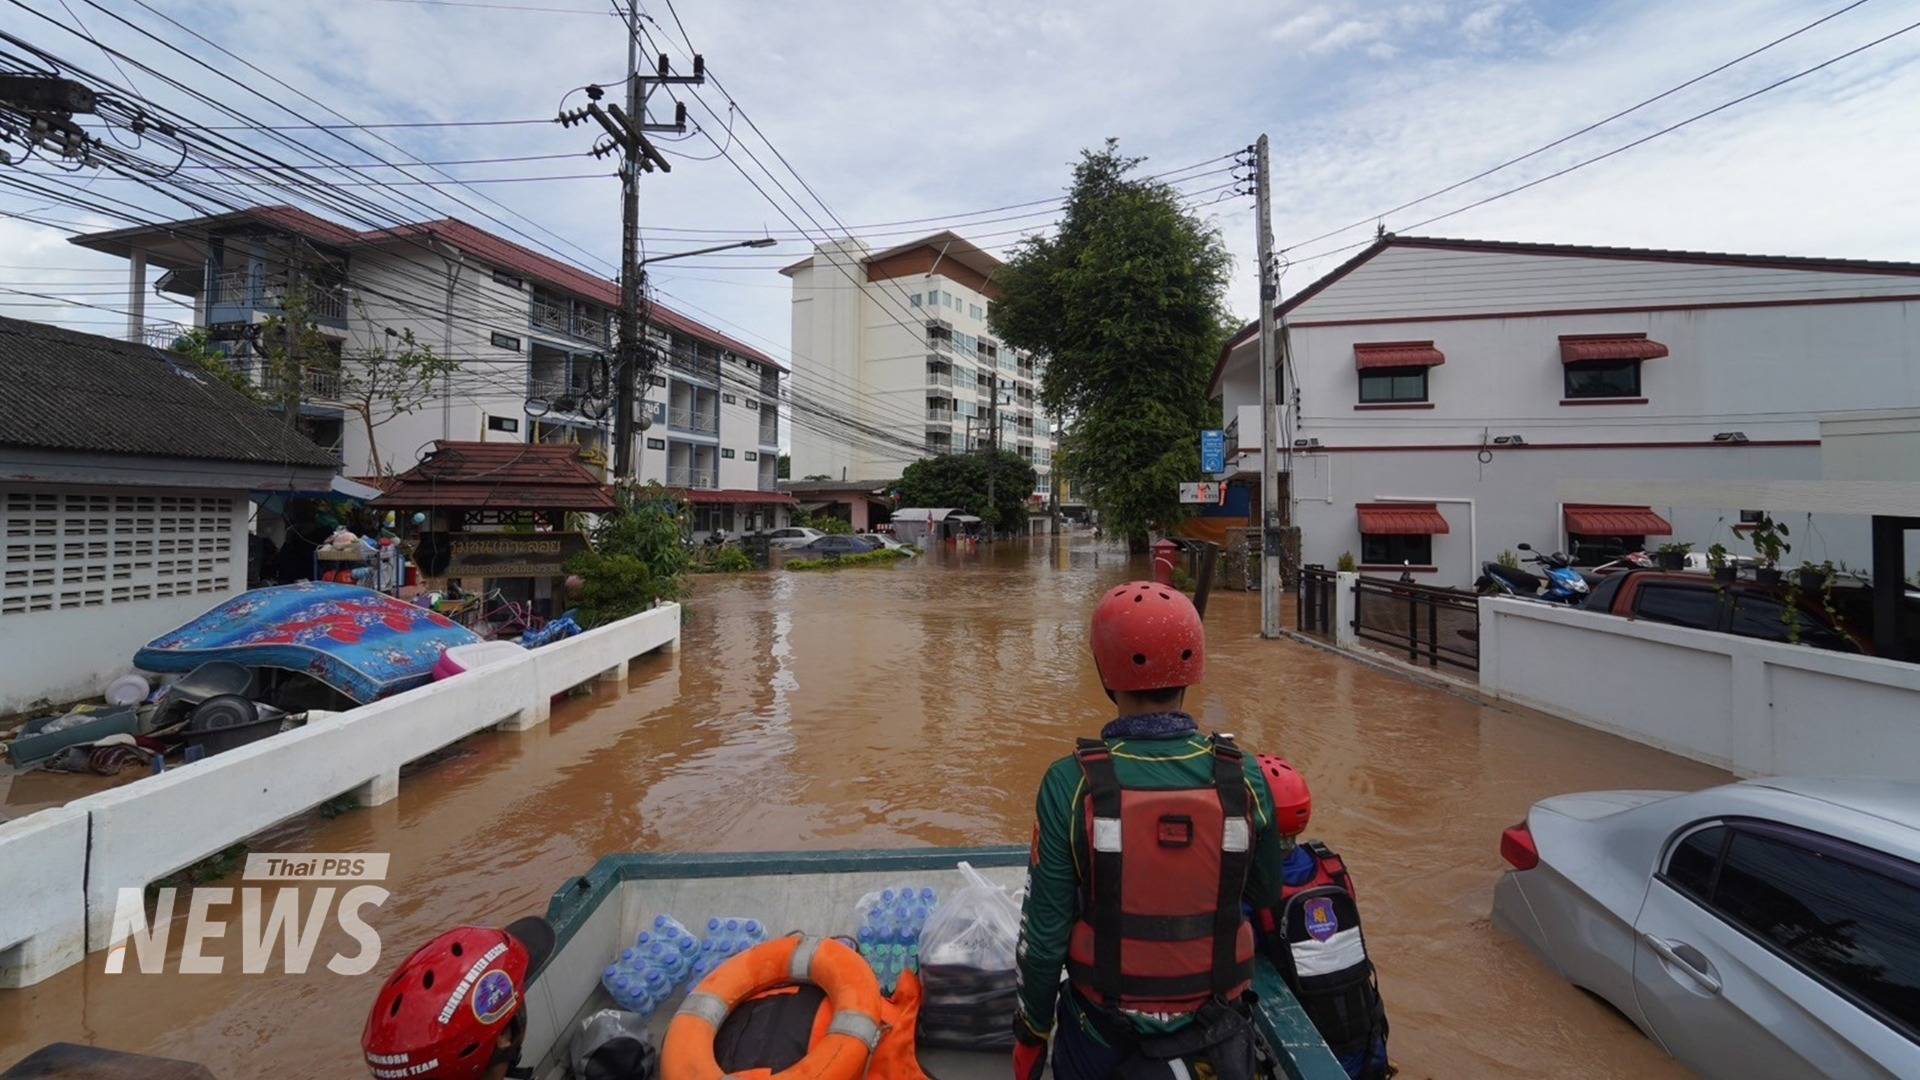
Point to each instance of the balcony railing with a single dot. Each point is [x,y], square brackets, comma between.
[314,382]
[240,289]
[769,431]
[688,476]
[692,420]
[548,315]
[160,336]
[697,367]
[939,378]
[940,416]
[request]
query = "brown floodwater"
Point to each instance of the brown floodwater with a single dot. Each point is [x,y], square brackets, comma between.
[909,705]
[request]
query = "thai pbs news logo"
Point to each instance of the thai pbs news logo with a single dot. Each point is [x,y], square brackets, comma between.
[280,922]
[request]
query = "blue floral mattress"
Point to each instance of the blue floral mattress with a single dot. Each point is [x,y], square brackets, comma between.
[362,643]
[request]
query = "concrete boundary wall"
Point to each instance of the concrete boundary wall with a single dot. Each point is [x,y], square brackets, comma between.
[62,870]
[1756,708]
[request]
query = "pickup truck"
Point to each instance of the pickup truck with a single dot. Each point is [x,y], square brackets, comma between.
[1746,608]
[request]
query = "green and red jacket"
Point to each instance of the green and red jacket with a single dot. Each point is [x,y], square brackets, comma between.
[1154,751]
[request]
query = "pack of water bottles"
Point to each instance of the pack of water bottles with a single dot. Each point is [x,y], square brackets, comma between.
[666,957]
[888,934]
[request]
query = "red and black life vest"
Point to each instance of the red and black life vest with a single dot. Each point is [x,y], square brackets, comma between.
[1160,928]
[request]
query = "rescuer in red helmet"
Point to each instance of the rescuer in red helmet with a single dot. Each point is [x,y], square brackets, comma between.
[1146,842]
[456,1008]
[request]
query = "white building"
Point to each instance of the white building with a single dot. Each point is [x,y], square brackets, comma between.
[1436,392]
[897,343]
[533,336]
[124,484]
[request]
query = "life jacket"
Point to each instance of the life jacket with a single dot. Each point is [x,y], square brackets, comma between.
[1313,936]
[1160,928]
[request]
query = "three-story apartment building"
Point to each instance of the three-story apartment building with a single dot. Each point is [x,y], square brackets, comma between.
[534,336]
[898,342]
[1435,392]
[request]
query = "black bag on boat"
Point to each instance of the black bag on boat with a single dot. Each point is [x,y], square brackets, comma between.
[1314,937]
[772,1031]
[1221,1043]
[967,1008]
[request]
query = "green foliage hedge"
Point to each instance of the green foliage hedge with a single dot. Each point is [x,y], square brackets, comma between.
[865,558]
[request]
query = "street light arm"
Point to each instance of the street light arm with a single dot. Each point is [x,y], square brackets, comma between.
[767,241]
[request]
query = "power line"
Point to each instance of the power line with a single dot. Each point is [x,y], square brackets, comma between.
[529,8]
[1538,150]
[1624,147]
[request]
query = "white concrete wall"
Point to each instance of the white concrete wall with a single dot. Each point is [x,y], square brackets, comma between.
[1756,708]
[73,652]
[52,911]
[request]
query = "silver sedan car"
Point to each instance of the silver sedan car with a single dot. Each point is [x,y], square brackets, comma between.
[1769,928]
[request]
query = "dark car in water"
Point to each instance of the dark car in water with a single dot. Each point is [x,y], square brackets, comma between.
[1747,608]
[835,545]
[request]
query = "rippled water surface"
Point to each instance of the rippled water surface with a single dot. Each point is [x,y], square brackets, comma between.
[911,705]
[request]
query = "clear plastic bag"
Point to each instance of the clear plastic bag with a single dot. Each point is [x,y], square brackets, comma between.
[976,926]
[612,1045]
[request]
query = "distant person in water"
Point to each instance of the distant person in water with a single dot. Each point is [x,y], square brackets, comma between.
[1145,842]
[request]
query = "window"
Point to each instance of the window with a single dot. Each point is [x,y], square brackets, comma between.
[1694,863]
[506,341]
[507,424]
[751,456]
[726,452]
[1680,605]
[933,297]
[658,380]
[947,299]
[753,403]
[1606,379]
[1752,517]
[656,444]
[1381,385]
[1764,617]
[1839,913]
[974,310]
[1594,550]
[914,298]
[727,398]
[1376,550]
[508,280]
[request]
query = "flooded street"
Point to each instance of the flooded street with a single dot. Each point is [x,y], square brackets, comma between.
[919,705]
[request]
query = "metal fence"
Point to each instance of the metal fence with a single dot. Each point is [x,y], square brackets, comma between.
[1434,625]
[1313,602]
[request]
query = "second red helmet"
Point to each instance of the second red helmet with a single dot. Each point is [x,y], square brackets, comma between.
[1147,636]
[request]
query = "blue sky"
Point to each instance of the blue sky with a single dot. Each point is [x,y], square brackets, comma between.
[894,111]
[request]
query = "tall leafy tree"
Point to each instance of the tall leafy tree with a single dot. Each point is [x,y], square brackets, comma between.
[1126,301]
[962,481]
[398,376]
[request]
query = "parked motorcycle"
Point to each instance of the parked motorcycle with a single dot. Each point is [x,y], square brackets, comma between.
[1562,585]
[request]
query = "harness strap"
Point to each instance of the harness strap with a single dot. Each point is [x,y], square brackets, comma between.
[1103,840]
[1236,853]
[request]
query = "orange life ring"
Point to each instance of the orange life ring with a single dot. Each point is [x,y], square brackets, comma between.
[851,989]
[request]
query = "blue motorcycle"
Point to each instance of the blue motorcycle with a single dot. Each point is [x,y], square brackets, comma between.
[1562,585]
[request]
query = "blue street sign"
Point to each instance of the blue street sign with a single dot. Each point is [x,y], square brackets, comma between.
[1213,451]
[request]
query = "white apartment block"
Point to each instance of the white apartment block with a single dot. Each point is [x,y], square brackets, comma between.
[897,342]
[533,336]
[1438,391]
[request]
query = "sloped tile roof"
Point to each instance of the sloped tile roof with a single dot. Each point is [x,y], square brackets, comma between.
[498,476]
[65,390]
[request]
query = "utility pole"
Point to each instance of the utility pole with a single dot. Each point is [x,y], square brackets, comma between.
[292,373]
[627,129]
[1269,455]
[993,444]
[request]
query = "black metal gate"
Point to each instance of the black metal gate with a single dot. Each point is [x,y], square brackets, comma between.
[1313,601]
[1434,625]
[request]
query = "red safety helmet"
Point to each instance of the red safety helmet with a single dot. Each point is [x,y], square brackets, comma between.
[1292,801]
[1148,636]
[441,1012]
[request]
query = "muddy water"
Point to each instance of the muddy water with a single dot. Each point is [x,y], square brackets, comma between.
[919,705]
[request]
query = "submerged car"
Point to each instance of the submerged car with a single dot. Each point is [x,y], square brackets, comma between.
[839,544]
[882,540]
[793,536]
[1769,928]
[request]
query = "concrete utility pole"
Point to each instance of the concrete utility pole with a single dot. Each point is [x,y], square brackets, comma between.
[629,353]
[993,440]
[1269,454]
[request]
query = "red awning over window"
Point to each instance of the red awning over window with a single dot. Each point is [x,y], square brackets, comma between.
[1401,519]
[1368,355]
[1616,521]
[1583,348]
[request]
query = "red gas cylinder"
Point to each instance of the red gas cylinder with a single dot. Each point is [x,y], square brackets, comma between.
[1166,556]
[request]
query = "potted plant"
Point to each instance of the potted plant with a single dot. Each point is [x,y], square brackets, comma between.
[1815,578]
[1723,569]
[1769,543]
[1672,556]
[1507,559]
[1345,564]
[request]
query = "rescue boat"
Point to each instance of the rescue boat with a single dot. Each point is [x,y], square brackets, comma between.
[811,892]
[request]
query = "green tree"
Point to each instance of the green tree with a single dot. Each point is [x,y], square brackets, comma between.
[783,467]
[961,481]
[397,378]
[196,347]
[1126,301]
[650,524]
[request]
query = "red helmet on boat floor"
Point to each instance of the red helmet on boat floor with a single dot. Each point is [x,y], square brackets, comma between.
[1147,636]
[441,1013]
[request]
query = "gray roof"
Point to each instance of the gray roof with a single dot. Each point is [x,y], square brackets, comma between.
[64,390]
[801,487]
